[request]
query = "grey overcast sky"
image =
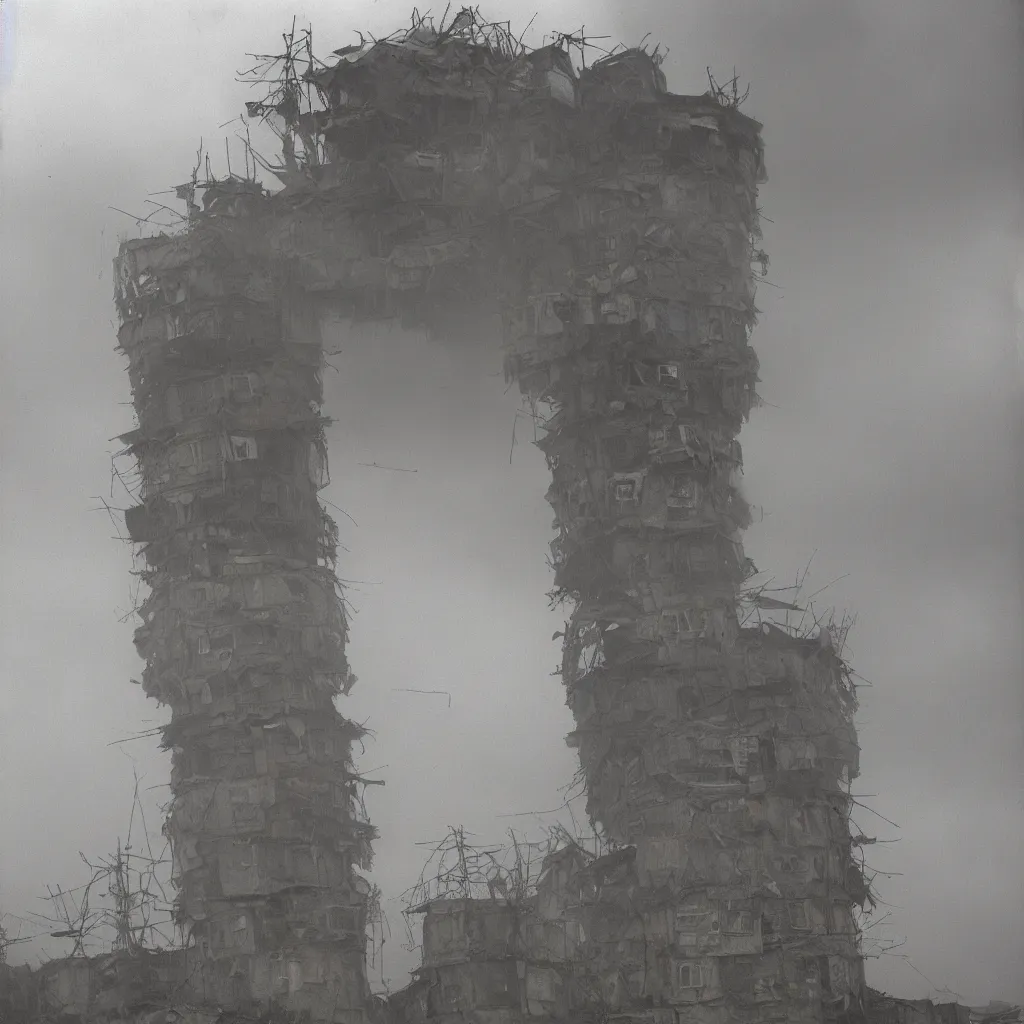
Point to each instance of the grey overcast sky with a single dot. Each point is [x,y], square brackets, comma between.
[887,446]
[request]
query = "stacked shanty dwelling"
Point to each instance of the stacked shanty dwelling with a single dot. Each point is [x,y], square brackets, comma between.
[717,758]
[244,633]
[611,224]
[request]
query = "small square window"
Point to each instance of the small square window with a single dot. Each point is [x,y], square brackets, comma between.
[716,329]
[636,375]
[694,621]
[175,326]
[668,375]
[798,914]
[242,447]
[685,494]
[691,976]
[672,623]
[241,385]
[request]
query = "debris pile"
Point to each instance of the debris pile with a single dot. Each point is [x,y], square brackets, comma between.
[243,631]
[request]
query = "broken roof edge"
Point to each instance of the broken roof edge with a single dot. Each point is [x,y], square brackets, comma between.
[699,103]
[472,901]
[478,38]
[706,102]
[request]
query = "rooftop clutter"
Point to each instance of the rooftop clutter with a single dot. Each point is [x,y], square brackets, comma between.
[415,166]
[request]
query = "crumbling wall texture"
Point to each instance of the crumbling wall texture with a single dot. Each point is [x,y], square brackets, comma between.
[243,631]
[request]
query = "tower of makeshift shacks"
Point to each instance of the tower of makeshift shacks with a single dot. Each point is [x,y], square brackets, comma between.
[611,223]
[721,755]
[244,633]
